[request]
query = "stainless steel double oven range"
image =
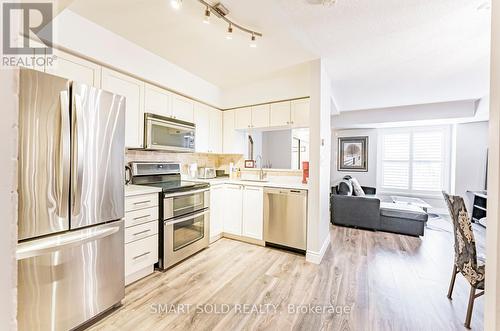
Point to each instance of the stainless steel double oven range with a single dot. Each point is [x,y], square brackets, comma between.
[184,211]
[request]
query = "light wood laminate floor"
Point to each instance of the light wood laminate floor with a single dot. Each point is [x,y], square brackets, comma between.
[392,282]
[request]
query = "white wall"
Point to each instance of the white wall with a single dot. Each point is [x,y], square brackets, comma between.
[276,148]
[368,178]
[471,145]
[492,286]
[92,41]
[289,83]
[413,115]
[318,234]
[8,200]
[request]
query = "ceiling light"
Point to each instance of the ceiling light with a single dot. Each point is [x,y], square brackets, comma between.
[484,6]
[176,4]
[229,34]
[206,19]
[253,42]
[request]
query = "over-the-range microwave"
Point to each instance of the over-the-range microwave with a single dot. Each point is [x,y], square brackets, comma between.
[168,134]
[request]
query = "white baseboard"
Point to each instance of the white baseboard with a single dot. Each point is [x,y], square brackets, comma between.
[316,257]
[129,279]
[215,238]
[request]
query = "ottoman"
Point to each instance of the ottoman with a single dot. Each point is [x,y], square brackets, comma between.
[402,219]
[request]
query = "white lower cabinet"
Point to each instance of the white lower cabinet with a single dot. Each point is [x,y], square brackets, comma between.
[141,236]
[216,211]
[140,257]
[236,210]
[233,202]
[253,212]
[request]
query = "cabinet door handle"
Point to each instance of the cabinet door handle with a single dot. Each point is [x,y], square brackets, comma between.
[142,202]
[141,217]
[142,232]
[141,255]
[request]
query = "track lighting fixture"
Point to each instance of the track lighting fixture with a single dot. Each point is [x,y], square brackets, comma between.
[206,18]
[176,4]
[221,12]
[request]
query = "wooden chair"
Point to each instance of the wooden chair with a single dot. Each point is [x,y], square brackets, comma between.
[466,261]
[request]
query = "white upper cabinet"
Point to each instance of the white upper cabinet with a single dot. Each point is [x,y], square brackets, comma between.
[74,68]
[157,101]
[260,116]
[182,108]
[233,140]
[243,118]
[253,212]
[37,64]
[202,122]
[208,122]
[300,113]
[233,209]
[280,114]
[215,137]
[133,90]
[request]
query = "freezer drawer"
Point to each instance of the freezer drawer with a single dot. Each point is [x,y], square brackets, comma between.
[285,217]
[67,279]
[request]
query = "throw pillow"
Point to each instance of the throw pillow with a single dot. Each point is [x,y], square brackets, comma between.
[358,191]
[344,187]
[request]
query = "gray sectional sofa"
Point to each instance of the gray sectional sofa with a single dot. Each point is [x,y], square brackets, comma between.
[369,212]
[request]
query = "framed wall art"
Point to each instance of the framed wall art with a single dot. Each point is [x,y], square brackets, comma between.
[352,154]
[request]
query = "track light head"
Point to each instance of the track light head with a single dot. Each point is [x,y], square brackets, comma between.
[229,34]
[253,41]
[206,18]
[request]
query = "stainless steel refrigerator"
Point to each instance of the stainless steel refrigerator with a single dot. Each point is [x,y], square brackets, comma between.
[71,202]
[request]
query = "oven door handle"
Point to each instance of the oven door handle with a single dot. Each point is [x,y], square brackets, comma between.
[186,218]
[174,195]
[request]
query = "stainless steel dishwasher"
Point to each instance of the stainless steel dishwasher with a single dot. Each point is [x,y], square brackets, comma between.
[285,218]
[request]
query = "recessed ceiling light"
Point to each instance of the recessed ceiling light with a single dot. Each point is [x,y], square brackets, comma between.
[176,4]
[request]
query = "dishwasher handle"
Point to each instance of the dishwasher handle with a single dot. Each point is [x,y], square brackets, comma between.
[285,191]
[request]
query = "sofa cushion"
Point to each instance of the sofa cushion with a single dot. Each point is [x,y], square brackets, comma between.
[344,187]
[405,211]
[357,190]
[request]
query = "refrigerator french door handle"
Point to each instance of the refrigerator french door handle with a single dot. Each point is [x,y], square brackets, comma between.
[78,156]
[44,246]
[65,157]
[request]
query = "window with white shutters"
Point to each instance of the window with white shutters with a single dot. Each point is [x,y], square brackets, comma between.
[413,160]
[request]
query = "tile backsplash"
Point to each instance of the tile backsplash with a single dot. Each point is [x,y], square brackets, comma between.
[217,161]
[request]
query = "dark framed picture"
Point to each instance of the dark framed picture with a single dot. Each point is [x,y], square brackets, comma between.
[249,164]
[352,154]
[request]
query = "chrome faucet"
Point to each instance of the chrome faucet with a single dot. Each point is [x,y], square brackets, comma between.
[262,175]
